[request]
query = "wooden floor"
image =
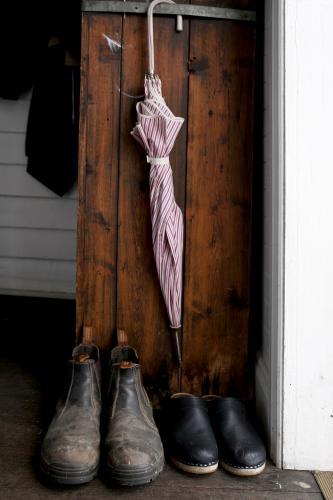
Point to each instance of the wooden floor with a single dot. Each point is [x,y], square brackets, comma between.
[26,400]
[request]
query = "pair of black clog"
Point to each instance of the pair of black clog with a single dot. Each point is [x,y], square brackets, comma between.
[200,432]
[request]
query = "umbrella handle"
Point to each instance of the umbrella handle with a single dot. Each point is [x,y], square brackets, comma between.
[151,7]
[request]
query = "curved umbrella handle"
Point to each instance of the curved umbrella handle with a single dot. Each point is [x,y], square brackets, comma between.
[151,7]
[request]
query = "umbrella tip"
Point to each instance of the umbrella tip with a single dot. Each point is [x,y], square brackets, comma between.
[177,347]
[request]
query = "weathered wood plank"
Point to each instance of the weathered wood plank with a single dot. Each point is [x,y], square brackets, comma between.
[81,195]
[133,7]
[117,282]
[98,178]
[140,310]
[231,4]
[219,173]
[168,485]
[150,492]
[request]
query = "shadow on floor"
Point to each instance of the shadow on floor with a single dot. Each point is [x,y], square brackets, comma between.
[39,334]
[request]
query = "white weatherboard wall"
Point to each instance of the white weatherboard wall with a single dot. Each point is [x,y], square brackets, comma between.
[37,228]
[308,332]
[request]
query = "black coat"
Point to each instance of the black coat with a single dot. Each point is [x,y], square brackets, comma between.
[52,131]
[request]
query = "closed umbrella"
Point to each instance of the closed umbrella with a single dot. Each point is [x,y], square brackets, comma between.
[156,130]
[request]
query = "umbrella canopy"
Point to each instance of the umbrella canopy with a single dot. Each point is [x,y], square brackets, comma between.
[156,130]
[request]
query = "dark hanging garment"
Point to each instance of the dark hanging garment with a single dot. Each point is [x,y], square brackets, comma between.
[52,130]
[23,34]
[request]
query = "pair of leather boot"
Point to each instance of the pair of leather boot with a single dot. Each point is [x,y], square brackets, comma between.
[132,451]
[202,432]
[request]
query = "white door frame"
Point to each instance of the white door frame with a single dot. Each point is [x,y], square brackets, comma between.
[269,365]
[294,374]
[278,229]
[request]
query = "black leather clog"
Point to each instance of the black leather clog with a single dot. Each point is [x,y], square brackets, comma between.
[190,441]
[241,450]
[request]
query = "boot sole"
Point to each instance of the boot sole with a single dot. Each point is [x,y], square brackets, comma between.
[124,476]
[243,471]
[67,477]
[195,469]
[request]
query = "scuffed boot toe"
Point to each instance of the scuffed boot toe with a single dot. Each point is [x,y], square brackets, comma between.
[129,464]
[73,457]
[70,464]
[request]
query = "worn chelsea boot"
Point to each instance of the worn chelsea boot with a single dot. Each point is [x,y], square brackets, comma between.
[71,448]
[189,437]
[241,450]
[134,451]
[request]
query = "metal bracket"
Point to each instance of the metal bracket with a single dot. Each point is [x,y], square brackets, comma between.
[165,9]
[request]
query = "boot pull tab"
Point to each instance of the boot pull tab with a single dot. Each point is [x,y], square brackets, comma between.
[82,358]
[122,337]
[87,337]
[126,364]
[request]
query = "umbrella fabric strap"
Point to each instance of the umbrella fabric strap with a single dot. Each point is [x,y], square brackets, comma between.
[158,161]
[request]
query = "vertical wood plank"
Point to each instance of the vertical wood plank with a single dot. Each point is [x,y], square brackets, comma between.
[80,247]
[98,177]
[218,209]
[117,283]
[141,311]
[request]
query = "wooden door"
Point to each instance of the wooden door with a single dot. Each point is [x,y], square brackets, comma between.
[207,72]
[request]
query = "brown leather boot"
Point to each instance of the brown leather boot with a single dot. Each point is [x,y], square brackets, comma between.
[134,451]
[71,448]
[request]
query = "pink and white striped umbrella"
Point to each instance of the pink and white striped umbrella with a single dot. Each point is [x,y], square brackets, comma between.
[156,130]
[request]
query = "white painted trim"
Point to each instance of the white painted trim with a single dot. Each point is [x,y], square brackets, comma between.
[308,339]
[278,233]
[270,356]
